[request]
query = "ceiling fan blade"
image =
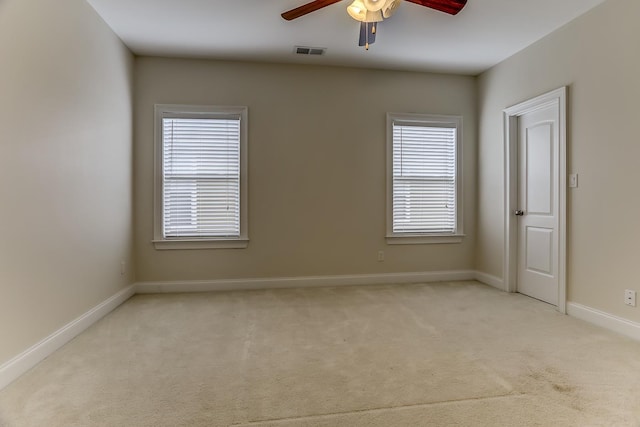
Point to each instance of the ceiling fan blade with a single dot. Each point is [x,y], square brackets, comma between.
[451,7]
[307,8]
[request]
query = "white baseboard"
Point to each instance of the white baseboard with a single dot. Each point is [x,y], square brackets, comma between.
[26,360]
[605,320]
[302,282]
[490,280]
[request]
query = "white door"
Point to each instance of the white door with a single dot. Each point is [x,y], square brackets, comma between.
[538,203]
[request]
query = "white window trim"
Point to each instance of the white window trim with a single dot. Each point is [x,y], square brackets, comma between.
[204,111]
[424,238]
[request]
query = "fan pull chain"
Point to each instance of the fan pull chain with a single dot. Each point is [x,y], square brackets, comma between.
[374,26]
[368,32]
[366,46]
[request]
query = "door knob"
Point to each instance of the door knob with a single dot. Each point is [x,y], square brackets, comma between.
[519,213]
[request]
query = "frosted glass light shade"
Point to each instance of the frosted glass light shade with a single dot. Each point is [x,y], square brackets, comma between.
[357,10]
[390,8]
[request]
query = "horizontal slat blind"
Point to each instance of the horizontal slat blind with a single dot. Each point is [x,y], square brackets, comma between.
[201,177]
[424,179]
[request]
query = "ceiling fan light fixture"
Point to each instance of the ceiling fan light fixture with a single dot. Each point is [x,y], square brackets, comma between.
[390,8]
[370,12]
[357,10]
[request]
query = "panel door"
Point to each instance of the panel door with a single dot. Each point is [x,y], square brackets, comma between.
[538,204]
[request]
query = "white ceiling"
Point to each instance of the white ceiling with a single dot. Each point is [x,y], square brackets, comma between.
[416,38]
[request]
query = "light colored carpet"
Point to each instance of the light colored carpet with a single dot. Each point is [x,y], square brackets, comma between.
[447,354]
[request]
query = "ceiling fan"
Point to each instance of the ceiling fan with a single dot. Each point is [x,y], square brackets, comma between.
[370,12]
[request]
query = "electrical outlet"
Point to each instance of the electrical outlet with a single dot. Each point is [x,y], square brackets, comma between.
[122,268]
[380,256]
[630,297]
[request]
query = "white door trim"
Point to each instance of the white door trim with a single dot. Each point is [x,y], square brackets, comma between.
[557,97]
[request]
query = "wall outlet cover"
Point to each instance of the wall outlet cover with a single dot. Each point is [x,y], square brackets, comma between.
[630,297]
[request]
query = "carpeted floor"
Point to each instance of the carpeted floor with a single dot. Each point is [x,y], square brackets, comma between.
[447,354]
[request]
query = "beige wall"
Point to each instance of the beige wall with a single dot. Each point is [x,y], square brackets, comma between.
[316,166]
[597,56]
[65,166]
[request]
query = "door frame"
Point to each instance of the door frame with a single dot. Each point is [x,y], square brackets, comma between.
[556,97]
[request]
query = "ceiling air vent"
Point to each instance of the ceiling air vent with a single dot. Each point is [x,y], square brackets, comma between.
[305,50]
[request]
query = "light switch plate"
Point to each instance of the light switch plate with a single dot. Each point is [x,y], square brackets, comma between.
[573,180]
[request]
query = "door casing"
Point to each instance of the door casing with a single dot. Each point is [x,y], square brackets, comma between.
[511,114]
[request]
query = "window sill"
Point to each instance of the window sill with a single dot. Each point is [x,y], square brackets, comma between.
[422,239]
[200,244]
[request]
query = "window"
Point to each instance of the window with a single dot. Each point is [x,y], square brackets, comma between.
[201,177]
[424,180]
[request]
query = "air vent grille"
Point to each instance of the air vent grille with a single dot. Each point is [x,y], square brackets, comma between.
[306,50]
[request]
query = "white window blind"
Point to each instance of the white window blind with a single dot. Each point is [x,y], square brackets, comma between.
[201,177]
[424,178]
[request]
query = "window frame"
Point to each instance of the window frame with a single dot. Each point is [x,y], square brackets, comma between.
[199,112]
[395,238]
